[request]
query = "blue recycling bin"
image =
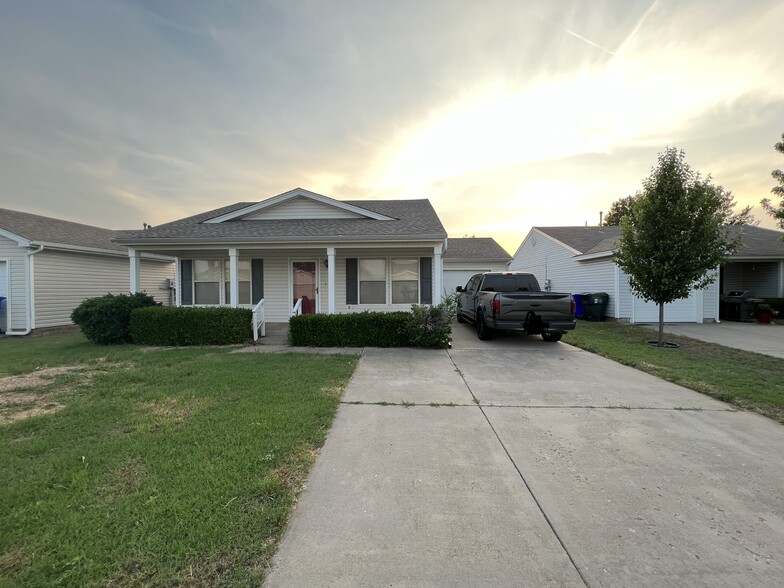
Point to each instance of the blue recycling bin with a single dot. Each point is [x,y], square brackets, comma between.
[579,303]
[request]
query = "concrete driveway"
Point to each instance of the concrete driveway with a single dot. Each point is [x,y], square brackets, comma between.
[522,463]
[764,339]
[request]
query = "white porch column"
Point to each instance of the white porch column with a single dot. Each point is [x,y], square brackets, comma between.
[234,278]
[330,280]
[177,283]
[135,258]
[438,271]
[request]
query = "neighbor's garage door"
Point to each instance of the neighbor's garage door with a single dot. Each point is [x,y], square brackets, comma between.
[680,311]
[455,278]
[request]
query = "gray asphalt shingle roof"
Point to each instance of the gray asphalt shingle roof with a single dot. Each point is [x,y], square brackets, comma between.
[36,228]
[584,239]
[756,241]
[412,218]
[475,248]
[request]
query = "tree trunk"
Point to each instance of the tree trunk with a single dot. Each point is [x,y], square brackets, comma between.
[661,324]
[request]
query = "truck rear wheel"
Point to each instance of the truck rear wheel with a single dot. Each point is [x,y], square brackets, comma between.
[552,337]
[484,332]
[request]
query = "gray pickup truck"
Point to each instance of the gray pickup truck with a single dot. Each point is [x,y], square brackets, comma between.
[513,301]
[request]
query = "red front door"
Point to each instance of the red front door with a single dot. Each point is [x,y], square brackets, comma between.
[305,286]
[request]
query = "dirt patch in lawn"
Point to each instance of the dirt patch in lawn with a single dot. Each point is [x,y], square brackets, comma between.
[171,412]
[28,395]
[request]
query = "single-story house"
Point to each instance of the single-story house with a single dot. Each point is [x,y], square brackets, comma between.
[48,266]
[579,259]
[467,256]
[302,252]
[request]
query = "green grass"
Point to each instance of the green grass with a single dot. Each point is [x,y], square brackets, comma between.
[748,380]
[172,467]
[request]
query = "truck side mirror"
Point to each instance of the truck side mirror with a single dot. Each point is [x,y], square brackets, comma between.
[459,289]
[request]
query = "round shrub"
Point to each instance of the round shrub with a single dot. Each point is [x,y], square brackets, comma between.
[106,319]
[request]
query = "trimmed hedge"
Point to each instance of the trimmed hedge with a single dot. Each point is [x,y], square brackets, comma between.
[169,325]
[105,320]
[363,329]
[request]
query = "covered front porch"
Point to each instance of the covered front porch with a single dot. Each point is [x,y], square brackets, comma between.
[280,282]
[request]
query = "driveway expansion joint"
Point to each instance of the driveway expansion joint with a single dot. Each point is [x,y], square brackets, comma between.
[522,477]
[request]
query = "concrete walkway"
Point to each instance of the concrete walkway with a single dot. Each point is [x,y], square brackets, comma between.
[522,463]
[764,339]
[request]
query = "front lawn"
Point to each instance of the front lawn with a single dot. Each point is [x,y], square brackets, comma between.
[127,467]
[747,380]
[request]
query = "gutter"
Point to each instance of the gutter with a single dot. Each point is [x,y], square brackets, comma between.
[29,291]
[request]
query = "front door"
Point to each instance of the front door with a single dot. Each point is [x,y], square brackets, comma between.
[303,275]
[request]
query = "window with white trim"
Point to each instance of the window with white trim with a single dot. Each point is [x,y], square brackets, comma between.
[405,281]
[372,281]
[206,281]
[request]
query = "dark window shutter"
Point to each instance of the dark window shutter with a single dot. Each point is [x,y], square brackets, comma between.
[256,280]
[426,280]
[352,285]
[186,279]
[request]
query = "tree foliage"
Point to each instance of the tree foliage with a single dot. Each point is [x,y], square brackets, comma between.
[675,232]
[618,210]
[778,175]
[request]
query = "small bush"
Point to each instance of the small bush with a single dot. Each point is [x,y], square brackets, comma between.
[106,319]
[363,329]
[170,326]
[431,326]
[776,304]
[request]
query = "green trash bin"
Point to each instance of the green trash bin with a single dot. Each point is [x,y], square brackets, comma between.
[595,305]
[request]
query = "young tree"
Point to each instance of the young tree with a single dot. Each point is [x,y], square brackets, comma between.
[675,233]
[618,210]
[777,213]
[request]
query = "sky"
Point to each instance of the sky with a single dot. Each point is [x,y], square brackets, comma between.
[505,114]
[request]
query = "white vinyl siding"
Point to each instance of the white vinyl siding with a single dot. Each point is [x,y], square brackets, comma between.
[62,280]
[457,273]
[547,259]
[18,297]
[301,208]
[761,277]
[277,275]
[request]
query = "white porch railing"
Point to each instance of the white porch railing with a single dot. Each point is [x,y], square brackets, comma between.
[297,310]
[259,323]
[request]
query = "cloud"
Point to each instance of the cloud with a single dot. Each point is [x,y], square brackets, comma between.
[129,112]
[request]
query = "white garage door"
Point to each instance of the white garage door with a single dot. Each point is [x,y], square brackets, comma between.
[680,311]
[455,278]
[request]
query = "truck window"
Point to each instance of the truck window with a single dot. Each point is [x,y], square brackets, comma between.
[506,283]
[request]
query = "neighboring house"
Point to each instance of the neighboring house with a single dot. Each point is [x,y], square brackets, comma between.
[303,252]
[465,257]
[757,266]
[579,259]
[48,266]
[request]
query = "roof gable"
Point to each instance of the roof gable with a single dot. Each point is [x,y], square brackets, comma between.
[298,204]
[583,240]
[408,220]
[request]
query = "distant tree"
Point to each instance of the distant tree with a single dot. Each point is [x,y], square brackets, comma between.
[618,210]
[778,175]
[675,233]
[623,206]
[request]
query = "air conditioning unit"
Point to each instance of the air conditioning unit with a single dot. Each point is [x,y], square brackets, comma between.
[547,285]
[169,284]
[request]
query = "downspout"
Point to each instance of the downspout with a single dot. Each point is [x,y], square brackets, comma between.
[29,291]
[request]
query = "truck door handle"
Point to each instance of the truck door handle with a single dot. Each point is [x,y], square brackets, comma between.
[535,304]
